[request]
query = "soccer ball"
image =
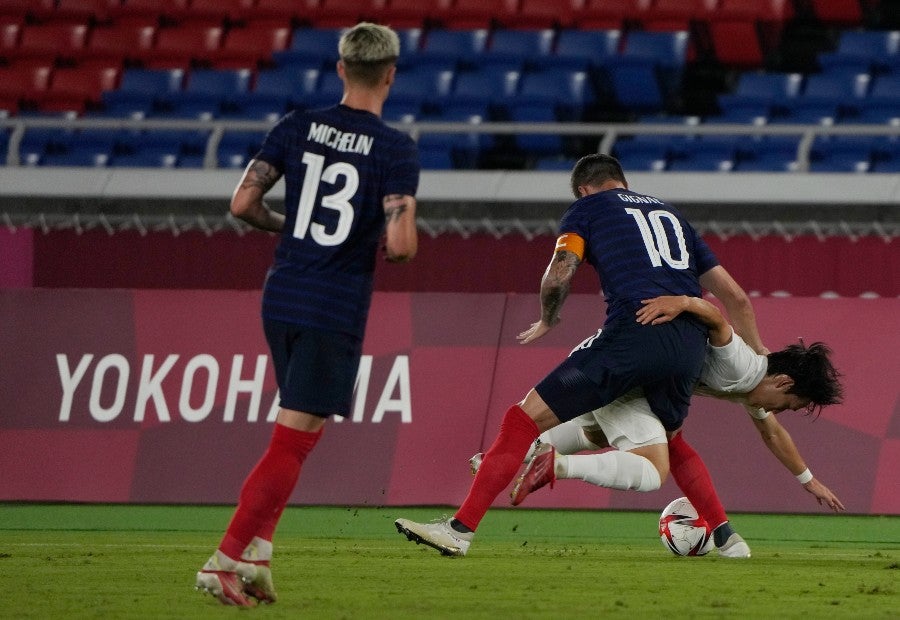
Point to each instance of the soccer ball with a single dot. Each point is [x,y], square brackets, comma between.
[683,531]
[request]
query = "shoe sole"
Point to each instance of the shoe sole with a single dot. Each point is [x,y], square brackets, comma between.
[410,535]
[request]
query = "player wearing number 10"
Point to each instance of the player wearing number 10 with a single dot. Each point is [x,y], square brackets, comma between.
[641,248]
[349,181]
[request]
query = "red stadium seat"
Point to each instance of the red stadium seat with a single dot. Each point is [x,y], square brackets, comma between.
[295,12]
[539,14]
[252,45]
[152,9]
[758,10]
[182,45]
[25,81]
[217,10]
[78,88]
[414,13]
[343,13]
[737,44]
[50,41]
[10,29]
[474,14]
[82,10]
[846,13]
[621,12]
[18,9]
[131,40]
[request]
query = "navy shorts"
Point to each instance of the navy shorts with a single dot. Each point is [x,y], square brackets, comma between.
[315,369]
[663,359]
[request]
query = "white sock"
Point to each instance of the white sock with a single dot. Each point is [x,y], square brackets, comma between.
[613,469]
[258,550]
[567,439]
[219,562]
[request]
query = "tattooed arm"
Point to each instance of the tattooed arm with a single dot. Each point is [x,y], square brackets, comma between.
[555,287]
[247,201]
[401,236]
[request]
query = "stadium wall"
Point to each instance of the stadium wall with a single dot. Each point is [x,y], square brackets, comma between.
[162,396]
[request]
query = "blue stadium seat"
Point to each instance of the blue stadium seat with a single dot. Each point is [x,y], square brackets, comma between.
[464,147]
[328,92]
[767,154]
[827,98]
[274,92]
[206,92]
[582,50]
[419,85]
[646,76]
[885,154]
[236,148]
[555,164]
[453,47]
[314,47]
[566,93]
[140,90]
[862,51]
[435,158]
[161,148]
[703,154]
[643,153]
[841,154]
[512,48]
[759,95]
[480,89]
[541,144]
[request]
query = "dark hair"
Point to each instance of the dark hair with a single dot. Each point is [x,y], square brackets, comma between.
[595,169]
[815,377]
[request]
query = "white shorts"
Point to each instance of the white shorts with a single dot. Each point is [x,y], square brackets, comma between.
[627,422]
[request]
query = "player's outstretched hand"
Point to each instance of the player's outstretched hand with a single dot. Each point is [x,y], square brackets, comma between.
[662,309]
[533,333]
[824,495]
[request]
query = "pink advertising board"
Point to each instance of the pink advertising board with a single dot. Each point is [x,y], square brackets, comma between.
[156,396]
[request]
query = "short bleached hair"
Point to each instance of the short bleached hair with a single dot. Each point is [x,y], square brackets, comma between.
[369,43]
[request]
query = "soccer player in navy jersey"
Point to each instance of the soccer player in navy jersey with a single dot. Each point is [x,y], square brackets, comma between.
[350,181]
[642,248]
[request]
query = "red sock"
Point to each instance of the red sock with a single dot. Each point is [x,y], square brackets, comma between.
[501,462]
[267,489]
[692,477]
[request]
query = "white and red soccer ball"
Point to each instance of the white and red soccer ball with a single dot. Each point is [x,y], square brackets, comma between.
[683,531]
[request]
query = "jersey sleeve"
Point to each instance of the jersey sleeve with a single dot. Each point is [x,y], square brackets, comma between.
[704,256]
[403,173]
[273,146]
[734,367]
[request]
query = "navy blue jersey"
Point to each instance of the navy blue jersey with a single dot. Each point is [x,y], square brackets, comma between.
[640,246]
[338,165]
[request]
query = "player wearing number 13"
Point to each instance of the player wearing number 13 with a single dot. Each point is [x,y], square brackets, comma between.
[641,248]
[349,181]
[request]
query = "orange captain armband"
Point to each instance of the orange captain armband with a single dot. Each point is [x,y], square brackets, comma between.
[570,242]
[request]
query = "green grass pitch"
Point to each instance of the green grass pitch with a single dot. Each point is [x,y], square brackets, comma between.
[91,561]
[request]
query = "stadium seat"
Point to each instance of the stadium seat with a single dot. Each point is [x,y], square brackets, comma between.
[646,76]
[513,48]
[10,28]
[274,92]
[335,14]
[478,14]
[759,95]
[885,154]
[82,148]
[86,11]
[311,47]
[287,12]
[452,47]
[703,154]
[826,98]
[581,49]
[862,51]
[482,89]
[50,41]
[767,154]
[205,93]
[78,88]
[141,90]
[25,82]
[159,10]
[251,45]
[402,14]
[567,94]
[737,44]
[642,153]
[128,42]
[160,149]
[844,13]
[216,10]
[621,14]
[420,85]
[236,148]
[536,144]
[435,158]
[328,91]
[841,154]
[541,14]
[185,44]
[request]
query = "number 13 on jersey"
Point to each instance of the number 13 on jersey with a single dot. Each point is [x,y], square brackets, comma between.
[339,201]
